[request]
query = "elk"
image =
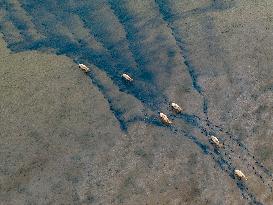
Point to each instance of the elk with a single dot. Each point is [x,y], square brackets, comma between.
[84,68]
[127,77]
[165,119]
[239,174]
[176,108]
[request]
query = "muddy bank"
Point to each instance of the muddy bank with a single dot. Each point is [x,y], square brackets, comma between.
[60,143]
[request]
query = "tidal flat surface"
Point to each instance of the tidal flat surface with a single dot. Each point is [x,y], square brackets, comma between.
[71,138]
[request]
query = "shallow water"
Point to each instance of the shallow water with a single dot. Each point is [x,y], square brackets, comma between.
[173,50]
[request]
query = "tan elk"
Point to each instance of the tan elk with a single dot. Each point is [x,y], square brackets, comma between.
[165,119]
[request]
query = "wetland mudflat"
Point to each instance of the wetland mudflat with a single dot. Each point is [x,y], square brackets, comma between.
[72,138]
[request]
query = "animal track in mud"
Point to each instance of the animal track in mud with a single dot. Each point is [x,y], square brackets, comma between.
[29,25]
